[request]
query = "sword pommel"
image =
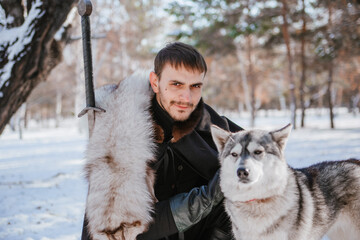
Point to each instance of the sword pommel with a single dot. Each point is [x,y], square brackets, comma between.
[84,7]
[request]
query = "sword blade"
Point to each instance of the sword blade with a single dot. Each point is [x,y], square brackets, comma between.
[88,68]
[85,9]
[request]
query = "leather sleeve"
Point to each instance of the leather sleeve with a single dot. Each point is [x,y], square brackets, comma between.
[163,224]
[189,208]
[184,210]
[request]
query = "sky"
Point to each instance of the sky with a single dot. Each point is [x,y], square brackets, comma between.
[43,188]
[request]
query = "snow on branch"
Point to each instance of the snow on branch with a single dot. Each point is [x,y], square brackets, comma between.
[14,42]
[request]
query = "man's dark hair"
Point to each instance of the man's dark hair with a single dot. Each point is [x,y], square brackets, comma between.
[179,54]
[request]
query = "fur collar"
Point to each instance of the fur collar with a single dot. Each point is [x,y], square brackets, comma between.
[166,129]
[118,156]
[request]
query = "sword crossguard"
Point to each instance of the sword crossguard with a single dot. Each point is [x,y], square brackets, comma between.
[84,8]
[95,109]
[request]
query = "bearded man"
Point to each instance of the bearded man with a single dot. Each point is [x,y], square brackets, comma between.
[187,187]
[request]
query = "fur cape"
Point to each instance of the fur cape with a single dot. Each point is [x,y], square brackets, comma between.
[120,196]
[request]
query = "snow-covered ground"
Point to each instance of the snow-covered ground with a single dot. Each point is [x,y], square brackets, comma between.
[43,191]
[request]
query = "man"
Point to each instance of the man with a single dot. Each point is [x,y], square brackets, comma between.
[189,197]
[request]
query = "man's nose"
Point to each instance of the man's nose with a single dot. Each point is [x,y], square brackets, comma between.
[186,95]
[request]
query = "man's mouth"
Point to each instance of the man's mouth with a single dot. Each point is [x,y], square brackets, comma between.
[182,105]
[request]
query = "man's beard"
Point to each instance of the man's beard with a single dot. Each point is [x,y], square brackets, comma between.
[176,117]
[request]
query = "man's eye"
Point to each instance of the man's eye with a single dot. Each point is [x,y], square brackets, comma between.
[257,152]
[197,86]
[234,154]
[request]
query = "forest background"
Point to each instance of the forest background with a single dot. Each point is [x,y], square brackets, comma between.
[271,62]
[287,55]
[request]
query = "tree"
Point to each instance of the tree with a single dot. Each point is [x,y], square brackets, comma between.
[286,35]
[227,27]
[124,34]
[336,41]
[28,48]
[303,64]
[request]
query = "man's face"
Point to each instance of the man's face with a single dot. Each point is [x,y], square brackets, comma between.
[178,91]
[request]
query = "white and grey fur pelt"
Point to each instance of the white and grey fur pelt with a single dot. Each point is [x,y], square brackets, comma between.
[120,197]
[267,199]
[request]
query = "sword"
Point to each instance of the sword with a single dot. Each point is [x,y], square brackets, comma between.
[85,9]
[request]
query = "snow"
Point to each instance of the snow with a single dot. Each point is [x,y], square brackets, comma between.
[2,18]
[69,19]
[42,186]
[17,39]
[59,33]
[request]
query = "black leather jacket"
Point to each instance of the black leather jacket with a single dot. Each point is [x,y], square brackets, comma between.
[186,163]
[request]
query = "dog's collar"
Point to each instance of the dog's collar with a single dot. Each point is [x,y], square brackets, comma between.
[252,200]
[262,200]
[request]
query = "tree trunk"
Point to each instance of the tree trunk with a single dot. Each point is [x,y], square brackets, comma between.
[303,67]
[280,93]
[252,79]
[26,116]
[329,94]
[355,100]
[330,76]
[58,108]
[244,81]
[286,37]
[28,56]
[20,120]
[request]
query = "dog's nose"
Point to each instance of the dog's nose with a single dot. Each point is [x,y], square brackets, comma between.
[243,172]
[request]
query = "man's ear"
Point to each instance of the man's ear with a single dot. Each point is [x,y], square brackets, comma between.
[280,136]
[154,82]
[220,136]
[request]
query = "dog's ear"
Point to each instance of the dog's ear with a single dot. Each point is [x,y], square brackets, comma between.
[280,136]
[220,136]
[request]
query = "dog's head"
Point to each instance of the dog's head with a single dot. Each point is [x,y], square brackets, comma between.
[252,162]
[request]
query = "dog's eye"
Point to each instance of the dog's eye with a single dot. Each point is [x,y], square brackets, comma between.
[257,152]
[234,154]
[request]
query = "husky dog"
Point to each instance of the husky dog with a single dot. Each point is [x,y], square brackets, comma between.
[267,199]
[121,196]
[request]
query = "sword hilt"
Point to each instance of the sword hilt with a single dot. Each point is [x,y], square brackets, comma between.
[85,9]
[87,109]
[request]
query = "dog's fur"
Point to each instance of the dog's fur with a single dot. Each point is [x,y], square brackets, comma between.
[120,197]
[266,199]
